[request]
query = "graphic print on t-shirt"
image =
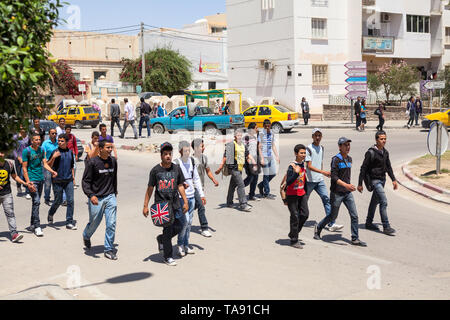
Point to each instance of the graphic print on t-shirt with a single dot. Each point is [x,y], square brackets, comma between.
[3,177]
[166,182]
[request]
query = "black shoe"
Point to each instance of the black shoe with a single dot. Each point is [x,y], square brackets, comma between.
[110,255]
[160,245]
[230,205]
[296,245]
[358,242]
[389,231]
[371,226]
[87,243]
[260,188]
[47,202]
[64,204]
[317,232]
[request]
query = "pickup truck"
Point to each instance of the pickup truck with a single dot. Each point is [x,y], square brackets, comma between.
[200,118]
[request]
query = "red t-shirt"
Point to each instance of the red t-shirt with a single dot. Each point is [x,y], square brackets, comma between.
[297,188]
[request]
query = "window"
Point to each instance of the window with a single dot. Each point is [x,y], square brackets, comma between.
[447,35]
[319,28]
[63,111]
[282,109]
[320,74]
[211,85]
[319,3]
[72,111]
[418,24]
[77,76]
[264,111]
[89,110]
[97,75]
[250,112]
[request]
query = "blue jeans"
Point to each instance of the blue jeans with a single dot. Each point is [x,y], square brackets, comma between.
[336,201]
[321,190]
[252,180]
[47,185]
[58,189]
[269,171]
[36,202]
[201,211]
[183,236]
[145,119]
[378,197]
[107,206]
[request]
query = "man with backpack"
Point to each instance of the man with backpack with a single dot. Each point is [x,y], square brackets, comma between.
[315,174]
[373,173]
[233,162]
[145,117]
[357,107]
[192,179]
[252,169]
[411,111]
[269,159]
[341,192]
[167,180]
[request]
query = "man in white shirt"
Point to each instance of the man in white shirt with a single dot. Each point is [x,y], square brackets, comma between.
[61,128]
[189,169]
[130,117]
[315,173]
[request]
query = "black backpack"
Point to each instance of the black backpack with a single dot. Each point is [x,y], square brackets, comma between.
[367,179]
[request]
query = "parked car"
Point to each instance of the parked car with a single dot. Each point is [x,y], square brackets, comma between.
[46,125]
[282,119]
[180,119]
[148,95]
[79,116]
[443,116]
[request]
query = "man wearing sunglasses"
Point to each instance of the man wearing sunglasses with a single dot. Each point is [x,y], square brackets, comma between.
[49,146]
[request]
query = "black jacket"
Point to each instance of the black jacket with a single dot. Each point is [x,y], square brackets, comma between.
[357,107]
[376,163]
[341,169]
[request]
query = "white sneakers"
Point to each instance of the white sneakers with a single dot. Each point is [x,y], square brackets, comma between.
[170,262]
[38,232]
[206,233]
[189,250]
[335,227]
[28,197]
[180,251]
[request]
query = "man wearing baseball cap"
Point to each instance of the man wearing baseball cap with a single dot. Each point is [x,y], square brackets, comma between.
[341,191]
[315,174]
[168,181]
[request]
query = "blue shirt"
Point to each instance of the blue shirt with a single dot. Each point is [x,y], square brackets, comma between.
[49,147]
[161,112]
[34,159]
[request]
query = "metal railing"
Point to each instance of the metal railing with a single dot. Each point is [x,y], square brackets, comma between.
[319,3]
[368,2]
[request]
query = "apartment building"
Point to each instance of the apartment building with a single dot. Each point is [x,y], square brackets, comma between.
[289,49]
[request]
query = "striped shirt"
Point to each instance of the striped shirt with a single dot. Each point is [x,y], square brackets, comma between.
[266,141]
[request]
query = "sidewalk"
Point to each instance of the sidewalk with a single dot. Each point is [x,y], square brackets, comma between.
[425,189]
[346,124]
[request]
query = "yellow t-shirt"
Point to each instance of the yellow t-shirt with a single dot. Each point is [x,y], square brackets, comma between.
[239,155]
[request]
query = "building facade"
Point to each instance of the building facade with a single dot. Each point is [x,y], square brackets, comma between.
[289,49]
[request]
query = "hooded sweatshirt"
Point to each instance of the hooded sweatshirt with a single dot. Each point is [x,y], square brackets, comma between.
[376,165]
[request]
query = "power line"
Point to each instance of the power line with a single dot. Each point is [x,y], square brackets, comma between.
[165,34]
[179,31]
[115,28]
[75,37]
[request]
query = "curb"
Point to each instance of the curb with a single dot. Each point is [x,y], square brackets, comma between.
[424,184]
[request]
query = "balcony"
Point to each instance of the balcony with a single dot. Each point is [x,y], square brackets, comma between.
[378,44]
[437,48]
[436,7]
[368,3]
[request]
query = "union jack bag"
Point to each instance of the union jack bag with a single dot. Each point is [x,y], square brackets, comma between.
[162,214]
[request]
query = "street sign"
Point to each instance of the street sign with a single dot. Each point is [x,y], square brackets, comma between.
[109,84]
[82,87]
[435,85]
[432,140]
[356,87]
[355,94]
[356,80]
[356,65]
[138,89]
[356,73]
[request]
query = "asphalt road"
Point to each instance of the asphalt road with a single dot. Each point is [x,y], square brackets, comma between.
[248,256]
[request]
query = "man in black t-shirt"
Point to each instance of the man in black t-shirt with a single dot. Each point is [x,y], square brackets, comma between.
[6,199]
[100,186]
[167,180]
[37,129]
[145,117]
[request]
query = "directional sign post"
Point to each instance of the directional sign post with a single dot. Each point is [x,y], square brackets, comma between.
[357,80]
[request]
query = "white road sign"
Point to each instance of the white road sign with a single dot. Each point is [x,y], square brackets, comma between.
[109,84]
[356,87]
[82,87]
[432,137]
[435,85]
[356,65]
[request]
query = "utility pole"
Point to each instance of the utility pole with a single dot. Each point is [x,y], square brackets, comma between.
[142,53]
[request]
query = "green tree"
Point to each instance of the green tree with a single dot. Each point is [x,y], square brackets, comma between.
[374,83]
[166,71]
[25,29]
[445,76]
[404,79]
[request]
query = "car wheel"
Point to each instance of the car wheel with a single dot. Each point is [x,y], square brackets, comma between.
[93,126]
[210,129]
[277,128]
[158,128]
[287,130]
[78,125]
[170,131]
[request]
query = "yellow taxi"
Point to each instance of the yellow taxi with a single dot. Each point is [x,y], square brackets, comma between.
[443,116]
[77,115]
[282,119]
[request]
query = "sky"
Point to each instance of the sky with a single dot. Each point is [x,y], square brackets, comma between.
[87,15]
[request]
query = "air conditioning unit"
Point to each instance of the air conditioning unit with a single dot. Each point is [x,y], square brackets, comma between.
[385,17]
[268,65]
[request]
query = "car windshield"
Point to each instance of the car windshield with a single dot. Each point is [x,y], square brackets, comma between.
[205,110]
[282,109]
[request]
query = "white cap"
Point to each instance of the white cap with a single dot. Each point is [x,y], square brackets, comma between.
[316,130]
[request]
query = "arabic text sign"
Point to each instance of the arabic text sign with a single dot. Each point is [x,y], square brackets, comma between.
[435,85]
[109,84]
